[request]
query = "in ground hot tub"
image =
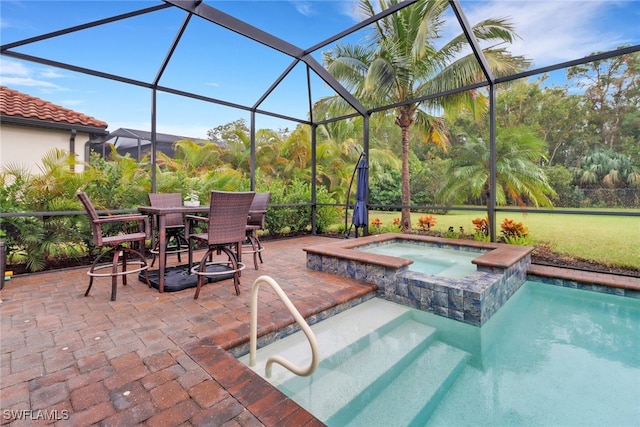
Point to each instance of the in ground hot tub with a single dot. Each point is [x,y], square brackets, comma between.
[470,295]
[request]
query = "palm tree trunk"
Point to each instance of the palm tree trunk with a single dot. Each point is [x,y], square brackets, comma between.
[406,188]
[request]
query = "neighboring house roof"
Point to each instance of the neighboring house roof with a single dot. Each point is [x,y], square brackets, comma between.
[19,107]
[125,137]
[131,140]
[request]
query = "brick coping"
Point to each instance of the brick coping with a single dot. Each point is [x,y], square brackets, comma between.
[587,277]
[498,255]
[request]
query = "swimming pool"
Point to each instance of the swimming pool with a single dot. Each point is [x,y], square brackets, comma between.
[550,356]
[452,263]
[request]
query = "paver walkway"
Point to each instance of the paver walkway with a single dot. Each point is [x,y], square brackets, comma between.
[89,361]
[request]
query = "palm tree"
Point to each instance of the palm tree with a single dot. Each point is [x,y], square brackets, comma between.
[609,168]
[403,63]
[192,157]
[519,176]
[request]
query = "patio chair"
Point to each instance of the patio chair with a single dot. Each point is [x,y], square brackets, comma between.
[255,222]
[226,230]
[175,229]
[119,242]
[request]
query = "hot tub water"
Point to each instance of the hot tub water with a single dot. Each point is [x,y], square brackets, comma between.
[443,262]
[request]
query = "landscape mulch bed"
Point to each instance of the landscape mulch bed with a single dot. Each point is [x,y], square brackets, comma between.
[544,256]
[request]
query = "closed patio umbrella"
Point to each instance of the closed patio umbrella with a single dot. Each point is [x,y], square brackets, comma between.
[360,214]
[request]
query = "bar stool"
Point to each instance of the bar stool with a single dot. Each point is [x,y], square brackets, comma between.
[255,222]
[118,244]
[226,230]
[175,228]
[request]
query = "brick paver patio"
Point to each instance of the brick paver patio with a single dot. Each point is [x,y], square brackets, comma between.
[150,358]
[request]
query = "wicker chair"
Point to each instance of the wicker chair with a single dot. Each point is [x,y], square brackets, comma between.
[118,243]
[255,222]
[226,230]
[176,239]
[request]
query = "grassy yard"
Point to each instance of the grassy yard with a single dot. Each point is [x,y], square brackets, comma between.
[609,239]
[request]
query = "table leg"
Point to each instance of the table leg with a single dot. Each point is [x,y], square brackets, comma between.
[162,247]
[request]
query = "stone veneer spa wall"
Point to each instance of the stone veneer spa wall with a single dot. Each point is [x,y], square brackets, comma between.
[473,299]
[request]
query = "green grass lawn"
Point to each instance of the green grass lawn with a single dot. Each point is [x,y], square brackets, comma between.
[609,239]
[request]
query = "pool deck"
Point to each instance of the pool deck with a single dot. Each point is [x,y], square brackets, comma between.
[160,359]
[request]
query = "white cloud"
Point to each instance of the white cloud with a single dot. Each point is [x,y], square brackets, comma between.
[13,68]
[69,103]
[51,73]
[28,82]
[303,7]
[16,74]
[551,31]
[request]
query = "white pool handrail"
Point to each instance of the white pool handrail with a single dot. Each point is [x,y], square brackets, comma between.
[299,320]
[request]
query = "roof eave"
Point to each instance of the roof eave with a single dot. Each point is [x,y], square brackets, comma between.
[25,121]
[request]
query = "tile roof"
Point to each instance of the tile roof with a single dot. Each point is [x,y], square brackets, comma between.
[18,104]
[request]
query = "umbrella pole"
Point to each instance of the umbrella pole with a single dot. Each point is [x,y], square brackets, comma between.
[347,231]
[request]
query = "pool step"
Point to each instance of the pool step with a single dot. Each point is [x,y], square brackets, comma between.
[416,388]
[410,366]
[342,377]
[334,334]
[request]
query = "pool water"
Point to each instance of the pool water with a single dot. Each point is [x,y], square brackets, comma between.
[436,261]
[550,356]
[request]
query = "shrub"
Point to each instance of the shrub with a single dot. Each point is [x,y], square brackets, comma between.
[514,232]
[481,227]
[425,222]
[451,233]
[298,218]
[376,223]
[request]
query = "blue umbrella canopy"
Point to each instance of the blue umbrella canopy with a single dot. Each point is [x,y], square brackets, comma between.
[360,212]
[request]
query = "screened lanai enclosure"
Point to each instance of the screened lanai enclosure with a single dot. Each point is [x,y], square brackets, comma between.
[137,143]
[496,107]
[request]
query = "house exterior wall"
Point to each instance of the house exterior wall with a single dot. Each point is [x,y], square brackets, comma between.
[26,145]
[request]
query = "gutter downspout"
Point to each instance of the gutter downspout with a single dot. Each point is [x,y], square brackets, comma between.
[72,148]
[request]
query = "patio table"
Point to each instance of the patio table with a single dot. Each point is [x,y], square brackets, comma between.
[161,215]
[161,220]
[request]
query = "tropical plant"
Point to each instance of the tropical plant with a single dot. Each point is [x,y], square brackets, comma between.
[514,232]
[294,213]
[519,177]
[403,63]
[192,157]
[376,223]
[608,168]
[425,222]
[120,183]
[481,228]
[33,240]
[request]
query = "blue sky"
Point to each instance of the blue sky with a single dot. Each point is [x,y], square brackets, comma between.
[213,62]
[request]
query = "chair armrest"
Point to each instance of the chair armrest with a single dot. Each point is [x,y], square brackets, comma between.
[189,223]
[142,220]
[120,218]
[196,218]
[256,218]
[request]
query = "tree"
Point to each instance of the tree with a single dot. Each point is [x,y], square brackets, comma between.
[556,115]
[612,94]
[519,176]
[403,63]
